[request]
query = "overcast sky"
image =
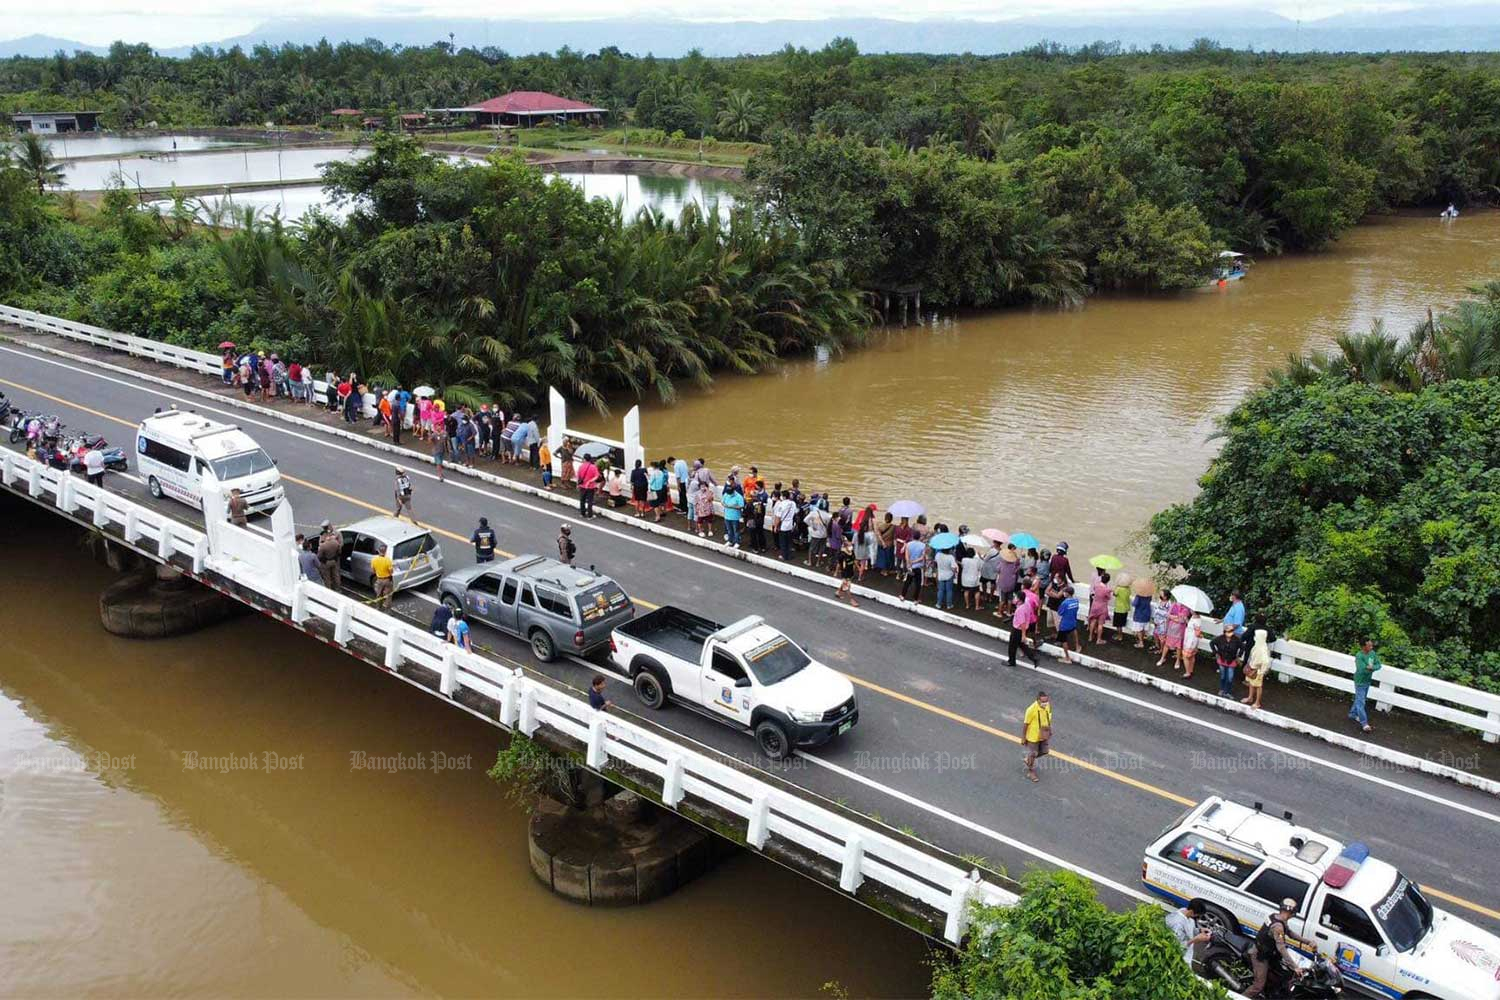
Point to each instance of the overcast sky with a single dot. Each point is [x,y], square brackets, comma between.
[166,23]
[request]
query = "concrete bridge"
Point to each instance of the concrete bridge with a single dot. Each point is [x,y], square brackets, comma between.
[900,811]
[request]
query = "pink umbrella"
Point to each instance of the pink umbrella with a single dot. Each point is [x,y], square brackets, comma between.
[995,535]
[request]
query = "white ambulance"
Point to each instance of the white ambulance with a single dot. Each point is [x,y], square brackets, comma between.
[175,450]
[1362,914]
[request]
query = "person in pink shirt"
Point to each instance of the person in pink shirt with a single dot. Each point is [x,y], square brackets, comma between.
[588,485]
[1101,599]
[1021,623]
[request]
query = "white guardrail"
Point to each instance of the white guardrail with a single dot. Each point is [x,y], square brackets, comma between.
[265,562]
[1393,688]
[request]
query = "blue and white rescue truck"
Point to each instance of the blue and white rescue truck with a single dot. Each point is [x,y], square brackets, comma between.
[1369,919]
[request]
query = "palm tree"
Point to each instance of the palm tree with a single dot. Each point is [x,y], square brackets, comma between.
[742,114]
[35,158]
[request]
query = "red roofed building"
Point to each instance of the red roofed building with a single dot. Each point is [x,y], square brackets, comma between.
[525,107]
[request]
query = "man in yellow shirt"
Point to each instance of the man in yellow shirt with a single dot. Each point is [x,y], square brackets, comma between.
[385,571]
[1036,732]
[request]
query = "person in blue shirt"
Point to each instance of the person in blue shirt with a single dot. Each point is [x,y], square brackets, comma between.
[656,489]
[734,503]
[680,470]
[461,632]
[1235,616]
[1067,625]
[597,701]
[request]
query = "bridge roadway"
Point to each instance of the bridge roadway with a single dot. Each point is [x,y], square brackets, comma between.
[936,749]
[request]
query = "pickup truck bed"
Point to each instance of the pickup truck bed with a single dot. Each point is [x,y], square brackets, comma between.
[672,630]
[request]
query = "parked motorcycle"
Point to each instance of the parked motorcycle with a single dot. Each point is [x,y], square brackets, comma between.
[1226,959]
[69,453]
[18,421]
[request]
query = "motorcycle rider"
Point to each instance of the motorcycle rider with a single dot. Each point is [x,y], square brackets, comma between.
[1270,948]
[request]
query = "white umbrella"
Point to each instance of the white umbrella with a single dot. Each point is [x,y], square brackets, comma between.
[424,390]
[1194,598]
[976,541]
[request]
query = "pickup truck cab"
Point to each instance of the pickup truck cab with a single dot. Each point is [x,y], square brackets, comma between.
[1372,922]
[747,674]
[551,605]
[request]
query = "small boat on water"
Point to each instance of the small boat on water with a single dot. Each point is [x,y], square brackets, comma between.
[1231,266]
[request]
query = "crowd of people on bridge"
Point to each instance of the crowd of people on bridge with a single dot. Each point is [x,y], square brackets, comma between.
[1034,589]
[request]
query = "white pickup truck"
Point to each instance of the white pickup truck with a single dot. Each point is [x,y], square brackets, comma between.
[748,674]
[1373,923]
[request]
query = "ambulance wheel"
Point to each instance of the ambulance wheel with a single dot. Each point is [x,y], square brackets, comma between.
[154,487]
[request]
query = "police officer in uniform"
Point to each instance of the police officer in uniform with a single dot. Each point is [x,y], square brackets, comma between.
[1270,947]
[483,540]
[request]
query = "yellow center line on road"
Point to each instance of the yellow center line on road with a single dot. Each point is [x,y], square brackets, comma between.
[964,720]
[887,692]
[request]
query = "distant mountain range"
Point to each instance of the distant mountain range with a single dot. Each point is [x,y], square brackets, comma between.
[1448,28]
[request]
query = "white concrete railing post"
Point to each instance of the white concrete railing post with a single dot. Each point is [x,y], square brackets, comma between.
[526,723]
[200,555]
[1285,656]
[510,699]
[7,469]
[760,817]
[671,783]
[132,524]
[393,657]
[1495,718]
[343,628]
[1378,692]
[34,480]
[164,546]
[598,754]
[449,679]
[299,603]
[66,500]
[850,874]
[101,509]
[957,917]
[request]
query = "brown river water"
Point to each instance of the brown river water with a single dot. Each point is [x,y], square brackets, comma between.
[142,858]
[1076,424]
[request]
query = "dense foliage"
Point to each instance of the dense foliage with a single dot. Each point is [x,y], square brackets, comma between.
[487,280]
[1060,943]
[1022,178]
[1358,494]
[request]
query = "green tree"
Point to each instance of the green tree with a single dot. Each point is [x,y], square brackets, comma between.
[742,115]
[35,158]
[1059,941]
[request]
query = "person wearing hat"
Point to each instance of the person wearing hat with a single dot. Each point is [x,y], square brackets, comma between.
[1060,567]
[1270,946]
[566,550]
[329,546]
